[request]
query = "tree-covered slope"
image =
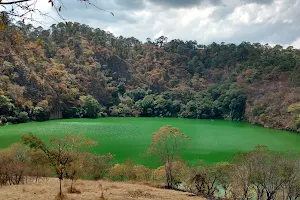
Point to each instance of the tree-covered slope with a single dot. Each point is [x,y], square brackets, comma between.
[73,70]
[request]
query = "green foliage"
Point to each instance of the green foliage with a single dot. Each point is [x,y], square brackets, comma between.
[295,77]
[41,114]
[122,110]
[90,106]
[3,120]
[22,117]
[11,119]
[158,106]
[295,110]
[195,66]
[121,88]
[6,107]
[71,112]
[220,101]
[146,105]
[137,94]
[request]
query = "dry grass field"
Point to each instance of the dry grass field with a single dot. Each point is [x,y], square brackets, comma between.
[91,190]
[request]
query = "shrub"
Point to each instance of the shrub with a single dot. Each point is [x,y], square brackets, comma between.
[119,172]
[90,106]
[41,114]
[180,173]
[70,112]
[13,164]
[11,119]
[122,110]
[102,114]
[142,173]
[6,107]
[39,165]
[22,117]
[3,120]
[128,171]
[121,88]
[98,166]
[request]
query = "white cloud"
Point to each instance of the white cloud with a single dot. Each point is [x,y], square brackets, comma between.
[231,21]
[296,43]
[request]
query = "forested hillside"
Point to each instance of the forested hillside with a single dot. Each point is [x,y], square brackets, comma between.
[73,70]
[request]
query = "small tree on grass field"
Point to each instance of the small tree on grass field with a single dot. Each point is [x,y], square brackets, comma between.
[60,152]
[167,144]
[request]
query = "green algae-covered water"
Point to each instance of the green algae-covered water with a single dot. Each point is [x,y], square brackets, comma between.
[211,141]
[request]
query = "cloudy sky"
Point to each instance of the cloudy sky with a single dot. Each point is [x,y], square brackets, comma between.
[230,21]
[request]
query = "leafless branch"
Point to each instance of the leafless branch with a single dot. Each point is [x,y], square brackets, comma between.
[13,2]
[23,8]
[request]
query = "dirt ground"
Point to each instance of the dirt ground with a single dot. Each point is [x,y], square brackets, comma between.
[91,190]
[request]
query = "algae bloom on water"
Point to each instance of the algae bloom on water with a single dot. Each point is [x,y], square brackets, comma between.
[211,141]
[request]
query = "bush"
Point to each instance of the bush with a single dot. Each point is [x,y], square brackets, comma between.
[97,167]
[128,171]
[137,94]
[142,173]
[180,173]
[6,107]
[121,88]
[3,120]
[41,114]
[122,110]
[102,114]
[118,173]
[70,112]
[11,119]
[90,106]
[22,117]
[13,164]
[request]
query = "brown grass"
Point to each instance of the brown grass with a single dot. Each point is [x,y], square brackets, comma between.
[61,197]
[140,193]
[74,190]
[90,190]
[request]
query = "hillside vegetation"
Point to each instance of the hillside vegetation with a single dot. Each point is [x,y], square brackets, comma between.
[72,70]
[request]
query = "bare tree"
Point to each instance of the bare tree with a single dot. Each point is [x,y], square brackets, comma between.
[267,172]
[291,187]
[61,153]
[167,144]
